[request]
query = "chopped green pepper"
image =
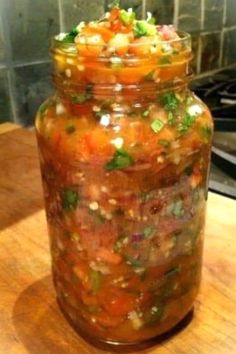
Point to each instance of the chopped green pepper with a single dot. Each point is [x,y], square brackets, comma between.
[120,160]
[143,28]
[157,125]
[127,17]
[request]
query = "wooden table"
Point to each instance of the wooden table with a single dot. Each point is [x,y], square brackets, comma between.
[30,321]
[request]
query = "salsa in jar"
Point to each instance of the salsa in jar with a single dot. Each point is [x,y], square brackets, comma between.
[124,150]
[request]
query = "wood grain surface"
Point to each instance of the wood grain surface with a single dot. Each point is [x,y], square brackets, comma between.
[30,320]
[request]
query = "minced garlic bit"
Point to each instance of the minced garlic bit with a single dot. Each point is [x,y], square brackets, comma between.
[80,67]
[195,109]
[108,216]
[70,61]
[112,201]
[104,189]
[118,280]
[118,87]
[118,142]
[116,60]
[96,108]
[93,206]
[160,159]
[60,109]
[135,319]
[105,120]
[68,72]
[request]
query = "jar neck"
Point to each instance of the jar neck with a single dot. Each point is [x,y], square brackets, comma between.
[121,76]
[84,92]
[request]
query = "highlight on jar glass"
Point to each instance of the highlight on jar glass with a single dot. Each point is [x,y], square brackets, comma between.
[124,151]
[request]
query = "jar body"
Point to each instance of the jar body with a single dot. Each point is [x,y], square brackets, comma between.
[125,183]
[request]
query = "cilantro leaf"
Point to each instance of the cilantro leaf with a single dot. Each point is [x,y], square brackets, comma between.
[186,123]
[170,101]
[70,37]
[70,129]
[148,232]
[142,28]
[115,3]
[157,125]
[165,60]
[69,199]
[206,132]
[83,97]
[121,159]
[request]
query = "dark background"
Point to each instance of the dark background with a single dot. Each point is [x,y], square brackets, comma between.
[27,25]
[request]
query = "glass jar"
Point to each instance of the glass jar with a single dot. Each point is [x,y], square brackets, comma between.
[124,151]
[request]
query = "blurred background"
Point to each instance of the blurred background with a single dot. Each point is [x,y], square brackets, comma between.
[27,25]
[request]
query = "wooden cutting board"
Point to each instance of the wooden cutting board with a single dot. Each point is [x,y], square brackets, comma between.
[30,321]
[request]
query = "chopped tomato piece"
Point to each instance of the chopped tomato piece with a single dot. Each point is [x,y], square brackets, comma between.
[108,256]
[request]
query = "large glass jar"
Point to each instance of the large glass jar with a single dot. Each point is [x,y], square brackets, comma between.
[124,151]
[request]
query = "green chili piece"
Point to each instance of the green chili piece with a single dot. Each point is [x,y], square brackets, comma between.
[172,271]
[164,142]
[157,125]
[127,17]
[120,160]
[136,263]
[146,113]
[143,28]
[95,280]
[148,232]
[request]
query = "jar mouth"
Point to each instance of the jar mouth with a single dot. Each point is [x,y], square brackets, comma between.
[184,41]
